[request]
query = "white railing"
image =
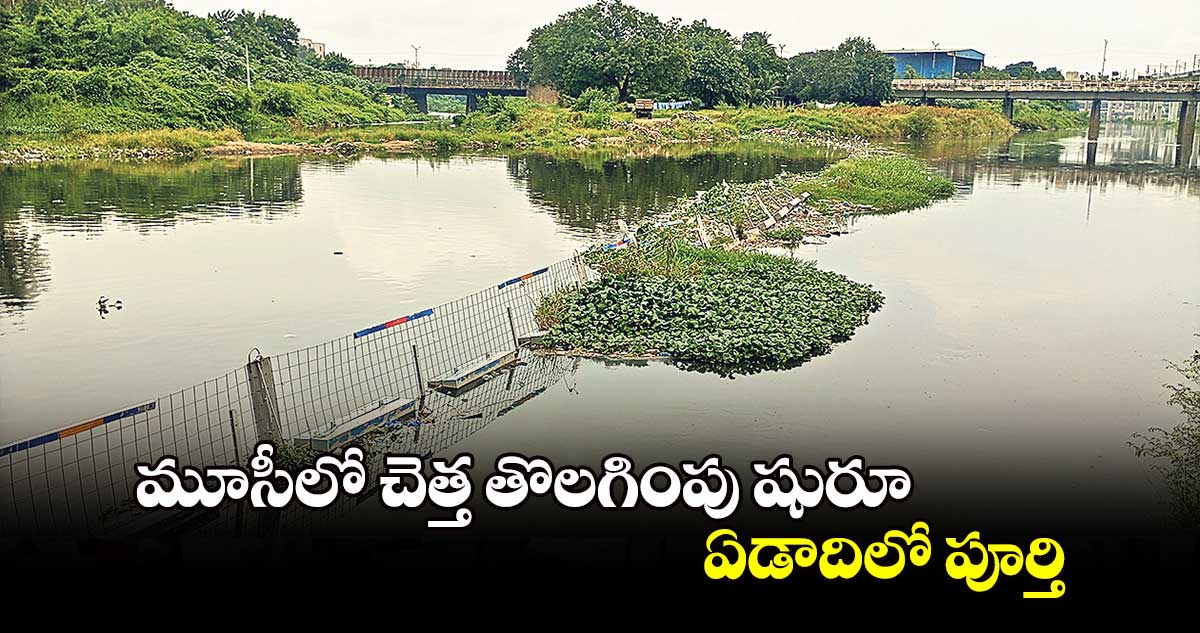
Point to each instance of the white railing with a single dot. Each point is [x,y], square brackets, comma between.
[1027,85]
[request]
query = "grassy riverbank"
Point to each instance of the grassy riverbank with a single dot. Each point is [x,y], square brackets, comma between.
[1041,115]
[519,124]
[894,122]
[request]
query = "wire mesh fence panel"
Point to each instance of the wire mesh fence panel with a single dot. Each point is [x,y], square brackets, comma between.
[447,420]
[83,478]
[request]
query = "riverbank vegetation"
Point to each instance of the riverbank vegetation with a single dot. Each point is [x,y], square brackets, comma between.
[71,66]
[1177,450]
[615,47]
[519,124]
[89,79]
[900,122]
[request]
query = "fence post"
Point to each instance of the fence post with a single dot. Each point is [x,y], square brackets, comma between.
[420,382]
[580,269]
[513,326]
[263,402]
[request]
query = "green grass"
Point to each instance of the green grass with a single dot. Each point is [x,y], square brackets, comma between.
[883,122]
[887,183]
[1039,115]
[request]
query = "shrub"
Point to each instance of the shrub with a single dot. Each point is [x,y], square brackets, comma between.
[596,101]
[920,125]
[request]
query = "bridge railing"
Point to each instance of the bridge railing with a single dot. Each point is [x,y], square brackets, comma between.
[1025,85]
[440,78]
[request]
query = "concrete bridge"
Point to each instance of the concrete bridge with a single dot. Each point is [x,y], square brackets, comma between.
[1185,92]
[419,83]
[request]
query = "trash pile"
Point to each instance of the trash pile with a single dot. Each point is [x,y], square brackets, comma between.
[853,145]
[776,210]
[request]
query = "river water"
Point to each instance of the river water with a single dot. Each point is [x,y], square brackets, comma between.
[1025,336]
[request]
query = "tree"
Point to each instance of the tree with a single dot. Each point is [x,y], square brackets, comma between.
[716,74]
[872,72]
[911,73]
[333,62]
[766,69]
[7,43]
[856,72]
[1015,70]
[608,44]
[518,64]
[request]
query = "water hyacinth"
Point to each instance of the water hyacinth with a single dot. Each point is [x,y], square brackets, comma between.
[727,312]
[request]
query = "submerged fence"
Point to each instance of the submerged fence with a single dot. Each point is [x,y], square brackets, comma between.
[81,479]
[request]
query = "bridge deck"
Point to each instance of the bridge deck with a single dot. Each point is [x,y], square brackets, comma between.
[1142,90]
[430,78]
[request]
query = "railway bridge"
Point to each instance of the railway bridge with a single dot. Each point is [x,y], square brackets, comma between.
[1184,92]
[419,83]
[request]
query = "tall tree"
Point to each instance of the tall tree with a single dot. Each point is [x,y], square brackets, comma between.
[8,39]
[872,72]
[716,74]
[766,69]
[518,64]
[856,72]
[608,44]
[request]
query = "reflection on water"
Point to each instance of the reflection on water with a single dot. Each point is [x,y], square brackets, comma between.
[80,197]
[213,257]
[594,190]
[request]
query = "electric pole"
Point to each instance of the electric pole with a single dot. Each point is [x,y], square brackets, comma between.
[1104,59]
[247,67]
[416,56]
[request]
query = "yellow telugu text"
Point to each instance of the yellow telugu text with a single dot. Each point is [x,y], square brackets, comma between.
[978,564]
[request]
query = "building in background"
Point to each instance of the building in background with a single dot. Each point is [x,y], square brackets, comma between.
[316,47]
[935,63]
[1136,110]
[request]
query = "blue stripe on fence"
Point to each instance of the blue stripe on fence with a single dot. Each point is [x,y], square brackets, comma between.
[517,280]
[393,323]
[75,429]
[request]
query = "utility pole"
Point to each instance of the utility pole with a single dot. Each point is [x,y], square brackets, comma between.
[1104,60]
[416,56]
[247,67]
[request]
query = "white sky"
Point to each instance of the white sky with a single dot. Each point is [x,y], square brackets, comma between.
[479,34]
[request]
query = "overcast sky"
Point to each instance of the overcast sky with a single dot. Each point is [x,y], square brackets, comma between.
[479,34]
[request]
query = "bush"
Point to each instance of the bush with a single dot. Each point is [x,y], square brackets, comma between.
[596,101]
[919,125]
[280,101]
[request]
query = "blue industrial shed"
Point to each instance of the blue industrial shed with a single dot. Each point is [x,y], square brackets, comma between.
[932,63]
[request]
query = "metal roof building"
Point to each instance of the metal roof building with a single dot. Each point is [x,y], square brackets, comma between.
[934,63]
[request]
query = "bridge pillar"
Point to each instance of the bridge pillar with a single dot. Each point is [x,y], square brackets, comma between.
[1007,108]
[1185,135]
[472,103]
[1094,122]
[422,101]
